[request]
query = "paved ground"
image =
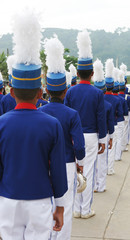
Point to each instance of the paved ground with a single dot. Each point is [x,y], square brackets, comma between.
[112,220]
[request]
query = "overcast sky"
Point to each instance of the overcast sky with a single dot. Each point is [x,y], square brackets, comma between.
[89,14]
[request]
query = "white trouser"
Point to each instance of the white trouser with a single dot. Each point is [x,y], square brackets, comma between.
[25,220]
[83,201]
[125,134]
[101,169]
[65,233]
[129,130]
[118,152]
[111,152]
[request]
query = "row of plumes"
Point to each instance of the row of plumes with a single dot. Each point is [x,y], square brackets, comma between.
[27,39]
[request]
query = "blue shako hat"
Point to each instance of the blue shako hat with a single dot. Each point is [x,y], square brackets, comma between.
[109,82]
[1,81]
[56,77]
[125,79]
[121,80]
[10,80]
[109,68]
[56,81]
[26,76]
[100,85]
[98,76]
[1,84]
[26,68]
[85,51]
[73,80]
[116,87]
[85,64]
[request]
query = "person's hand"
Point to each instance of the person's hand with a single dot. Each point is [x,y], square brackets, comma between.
[110,144]
[79,168]
[58,217]
[101,148]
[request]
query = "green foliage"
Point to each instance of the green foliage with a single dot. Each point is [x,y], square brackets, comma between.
[3,66]
[43,60]
[104,45]
[69,59]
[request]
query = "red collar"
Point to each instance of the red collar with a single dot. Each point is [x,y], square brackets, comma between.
[115,94]
[84,82]
[121,93]
[25,106]
[1,93]
[109,93]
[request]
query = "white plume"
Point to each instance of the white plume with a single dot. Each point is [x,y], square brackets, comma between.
[68,78]
[10,61]
[84,44]
[123,67]
[98,71]
[54,51]
[109,66]
[116,74]
[121,76]
[27,37]
[1,78]
[73,70]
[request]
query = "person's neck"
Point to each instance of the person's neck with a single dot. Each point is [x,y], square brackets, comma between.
[34,101]
[57,99]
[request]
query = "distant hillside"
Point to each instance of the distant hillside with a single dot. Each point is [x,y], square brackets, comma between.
[104,44]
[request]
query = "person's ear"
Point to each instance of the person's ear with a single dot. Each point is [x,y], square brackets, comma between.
[78,74]
[12,92]
[39,94]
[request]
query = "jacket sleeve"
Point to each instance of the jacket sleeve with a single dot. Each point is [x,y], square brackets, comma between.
[77,136]
[119,112]
[110,121]
[1,169]
[58,164]
[101,118]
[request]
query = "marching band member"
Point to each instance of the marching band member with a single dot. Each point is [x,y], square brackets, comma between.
[70,122]
[102,162]
[89,102]
[117,110]
[126,117]
[8,102]
[73,71]
[120,125]
[33,169]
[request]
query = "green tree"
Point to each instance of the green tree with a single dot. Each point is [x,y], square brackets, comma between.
[69,59]
[43,60]
[3,66]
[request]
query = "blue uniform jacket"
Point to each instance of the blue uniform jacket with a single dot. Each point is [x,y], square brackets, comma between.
[89,102]
[8,103]
[32,156]
[127,98]
[127,91]
[109,118]
[1,96]
[41,102]
[124,105]
[117,107]
[71,124]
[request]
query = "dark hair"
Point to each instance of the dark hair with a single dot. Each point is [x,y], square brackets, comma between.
[115,90]
[122,88]
[1,89]
[109,89]
[56,93]
[25,94]
[84,74]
